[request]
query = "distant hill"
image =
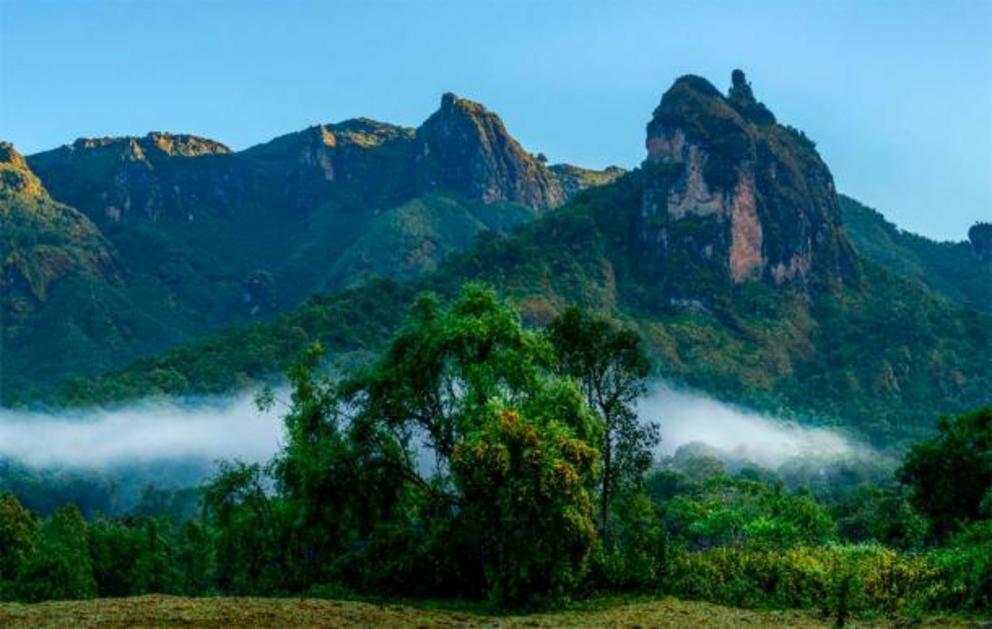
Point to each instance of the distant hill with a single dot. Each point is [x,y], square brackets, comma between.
[725,250]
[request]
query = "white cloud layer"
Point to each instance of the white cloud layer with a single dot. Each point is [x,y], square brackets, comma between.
[687,417]
[143,432]
[227,428]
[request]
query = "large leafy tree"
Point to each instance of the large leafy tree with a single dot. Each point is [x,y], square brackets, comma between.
[525,479]
[508,439]
[610,366]
[950,475]
[332,491]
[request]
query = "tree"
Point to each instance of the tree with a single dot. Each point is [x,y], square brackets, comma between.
[611,369]
[438,376]
[333,493]
[59,568]
[509,438]
[18,533]
[526,483]
[950,475]
[246,529]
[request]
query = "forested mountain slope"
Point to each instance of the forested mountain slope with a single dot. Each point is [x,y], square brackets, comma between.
[202,236]
[957,270]
[725,250]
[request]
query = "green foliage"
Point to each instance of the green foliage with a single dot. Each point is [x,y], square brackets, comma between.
[611,369]
[858,579]
[59,566]
[950,475]
[132,557]
[724,512]
[18,535]
[884,516]
[526,484]
[951,269]
[246,530]
[964,570]
[637,556]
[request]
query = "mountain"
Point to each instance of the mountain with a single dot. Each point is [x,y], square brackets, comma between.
[725,250]
[734,195]
[199,236]
[63,288]
[46,241]
[959,271]
[467,149]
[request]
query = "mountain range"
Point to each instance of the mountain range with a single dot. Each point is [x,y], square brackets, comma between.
[728,249]
[190,236]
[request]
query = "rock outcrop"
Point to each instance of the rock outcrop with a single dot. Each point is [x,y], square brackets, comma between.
[157,176]
[980,236]
[575,179]
[465,148]
[728,188]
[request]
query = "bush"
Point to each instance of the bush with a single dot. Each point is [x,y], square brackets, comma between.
[862,579]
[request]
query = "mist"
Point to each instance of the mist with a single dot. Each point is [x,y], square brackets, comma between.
[689,418]
[146,432]
[208,429]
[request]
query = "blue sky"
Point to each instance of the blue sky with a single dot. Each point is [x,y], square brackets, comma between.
[897,95]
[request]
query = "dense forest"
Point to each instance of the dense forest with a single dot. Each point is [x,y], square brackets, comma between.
[476,458]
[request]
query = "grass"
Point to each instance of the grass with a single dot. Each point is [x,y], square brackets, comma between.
[157,610]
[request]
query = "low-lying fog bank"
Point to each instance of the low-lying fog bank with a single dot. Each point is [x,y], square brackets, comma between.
[233,428]
[692,418]
[208,429]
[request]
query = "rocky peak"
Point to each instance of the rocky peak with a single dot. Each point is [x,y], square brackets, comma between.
[466,149]
[742,99]
[980,236]
[15,175]
[150,146]
[183,145]
[745,197]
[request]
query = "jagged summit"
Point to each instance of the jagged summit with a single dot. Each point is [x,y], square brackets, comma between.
[743,100]
[743,196]
[467,149]
[154,142]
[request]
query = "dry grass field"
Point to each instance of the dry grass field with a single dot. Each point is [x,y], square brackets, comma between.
[157,611]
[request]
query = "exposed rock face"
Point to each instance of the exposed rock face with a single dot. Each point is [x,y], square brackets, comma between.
[304,168]
[980,236]
[466,148]
[575,179]
[726,184]
[160,175]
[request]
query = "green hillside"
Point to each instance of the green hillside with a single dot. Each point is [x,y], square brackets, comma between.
[951,269]
[725,250]
[881,355]
[181,237]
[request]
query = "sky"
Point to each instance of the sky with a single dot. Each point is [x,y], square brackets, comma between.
[897,95]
